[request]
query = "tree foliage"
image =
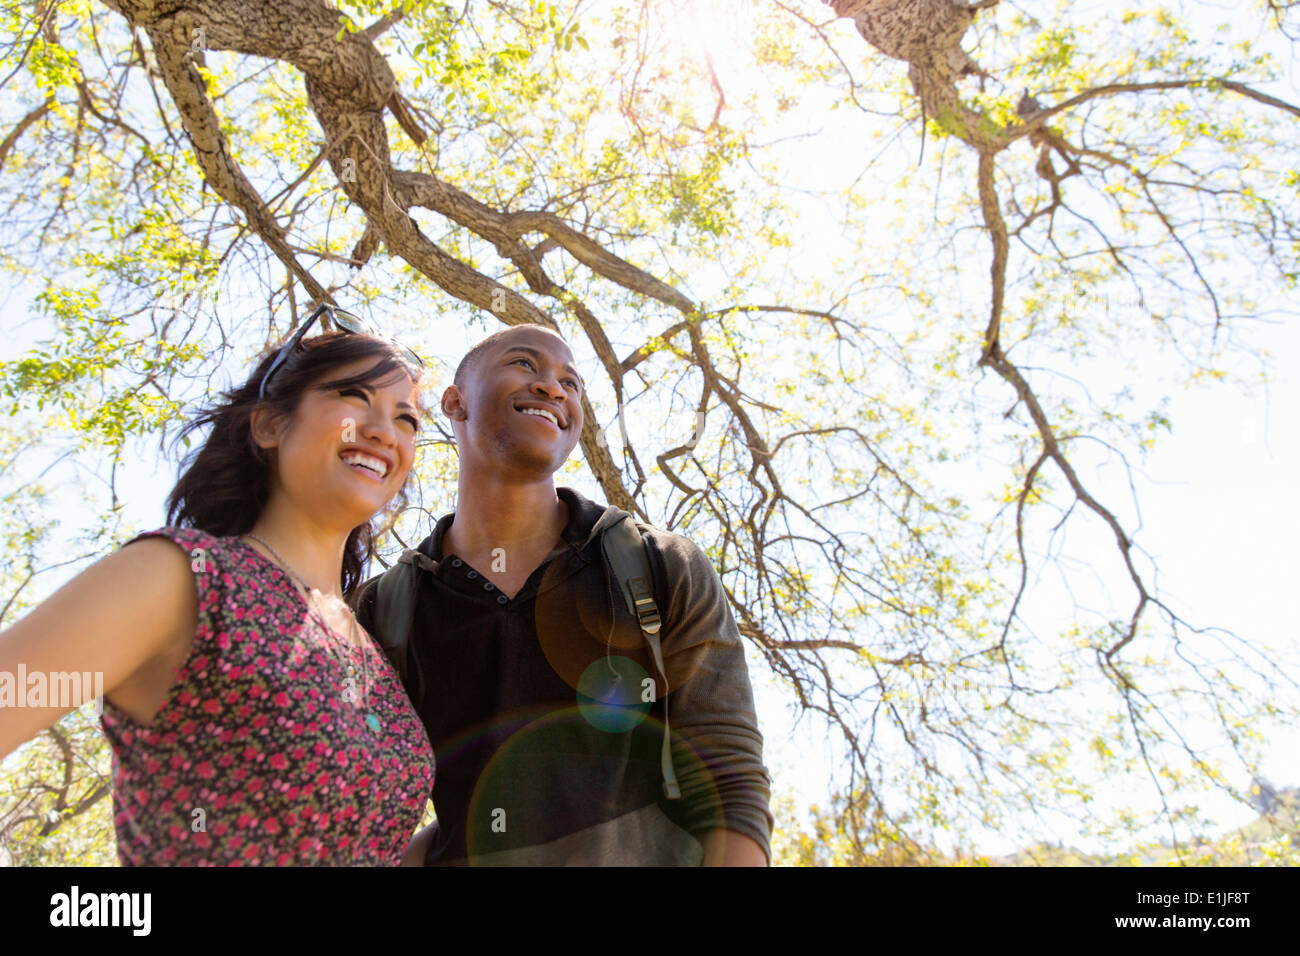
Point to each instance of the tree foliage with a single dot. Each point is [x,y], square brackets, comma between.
[876,398]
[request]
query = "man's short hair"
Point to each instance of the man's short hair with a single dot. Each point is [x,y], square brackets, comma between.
[475,354]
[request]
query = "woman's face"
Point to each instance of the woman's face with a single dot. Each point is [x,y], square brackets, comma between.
[346,452]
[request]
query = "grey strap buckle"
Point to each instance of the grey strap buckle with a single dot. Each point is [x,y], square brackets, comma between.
[647,612]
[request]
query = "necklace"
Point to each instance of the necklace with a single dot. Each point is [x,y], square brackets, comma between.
[350,684]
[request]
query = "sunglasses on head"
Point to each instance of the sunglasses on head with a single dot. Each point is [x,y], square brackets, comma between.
[343,322]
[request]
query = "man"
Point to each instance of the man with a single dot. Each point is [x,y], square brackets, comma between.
[537,688]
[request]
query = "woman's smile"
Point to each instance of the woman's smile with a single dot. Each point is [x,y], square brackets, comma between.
[374,466]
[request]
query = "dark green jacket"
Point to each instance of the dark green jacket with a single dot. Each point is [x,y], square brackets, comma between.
[546,732]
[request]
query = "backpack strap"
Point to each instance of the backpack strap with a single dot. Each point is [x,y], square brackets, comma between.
[625,553]
[394,611]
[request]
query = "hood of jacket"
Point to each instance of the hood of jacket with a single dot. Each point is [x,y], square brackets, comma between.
[588,520]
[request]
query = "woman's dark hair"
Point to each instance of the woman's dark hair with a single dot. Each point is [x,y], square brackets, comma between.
[226,483]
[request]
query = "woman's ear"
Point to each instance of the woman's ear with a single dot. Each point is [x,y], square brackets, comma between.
[266,428]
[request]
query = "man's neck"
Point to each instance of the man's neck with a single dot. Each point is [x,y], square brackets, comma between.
[521,519]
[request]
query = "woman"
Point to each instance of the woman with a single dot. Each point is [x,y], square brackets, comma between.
[252,721]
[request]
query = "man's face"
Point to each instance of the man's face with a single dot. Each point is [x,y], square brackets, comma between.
[521,405]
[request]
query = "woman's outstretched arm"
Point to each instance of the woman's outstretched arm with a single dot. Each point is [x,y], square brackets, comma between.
[130,617]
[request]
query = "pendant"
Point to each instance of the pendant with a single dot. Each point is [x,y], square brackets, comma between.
[373,723]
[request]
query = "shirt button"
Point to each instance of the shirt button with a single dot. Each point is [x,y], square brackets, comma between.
[473,575]
[487,585]
[501,599]
[456,562]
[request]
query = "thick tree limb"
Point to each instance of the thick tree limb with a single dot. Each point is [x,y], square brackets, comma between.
[22,126]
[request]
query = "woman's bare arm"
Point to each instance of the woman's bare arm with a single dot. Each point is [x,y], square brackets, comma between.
[130,616]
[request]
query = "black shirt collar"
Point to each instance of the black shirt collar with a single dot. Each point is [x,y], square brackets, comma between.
[583,515]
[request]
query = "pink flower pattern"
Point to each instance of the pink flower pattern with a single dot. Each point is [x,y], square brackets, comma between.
[258,733]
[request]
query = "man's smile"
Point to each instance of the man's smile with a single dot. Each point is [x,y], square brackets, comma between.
[544,412]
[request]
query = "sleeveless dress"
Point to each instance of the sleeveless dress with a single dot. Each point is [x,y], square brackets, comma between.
[266,750]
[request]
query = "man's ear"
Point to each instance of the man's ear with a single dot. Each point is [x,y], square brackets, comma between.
[453,404]
[266,428]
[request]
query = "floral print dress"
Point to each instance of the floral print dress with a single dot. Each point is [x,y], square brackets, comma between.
[268,750]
